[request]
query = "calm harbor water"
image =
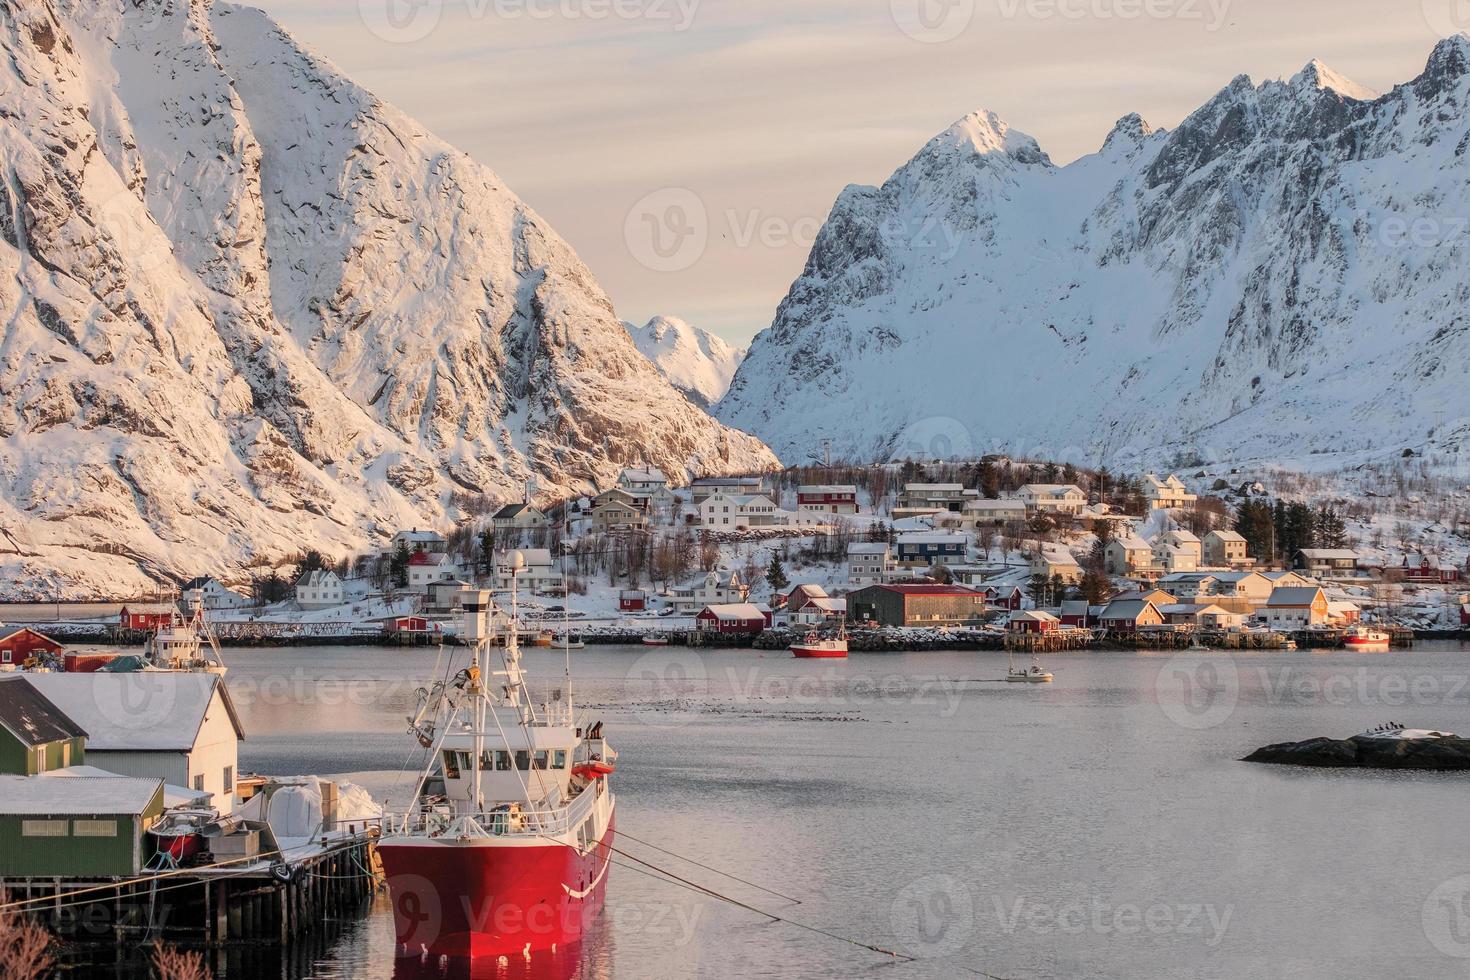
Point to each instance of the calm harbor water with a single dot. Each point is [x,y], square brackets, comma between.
[1100,826]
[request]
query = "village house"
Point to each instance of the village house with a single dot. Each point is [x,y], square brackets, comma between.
[1033,621]
[321,589]
[1422,569]
[1226,549]
[1130,557]
[736,618]
[1344,613]
[89,827]
[922,498]
[1052,498]
[539,575]
[617,510]
[212,593]
[1326,562]
[444,598]
[827,499]
[732,512]
[868,563]
[180,727]
[1166,494]
[916,605]
[1078,614]
[734,486]
[924,549]
[147,615]
[719,587]
[1124,616]
[810,605]
[650,489]
[993,513]
[1056,562]
[1204,615]
[17,646]
[1157,596]
[1295,608]
[1281,580]
[1186,586]
[425,567]
[632,600]
[1008,597]
[1177,551]
[35,735]
[416,540]
[521,516]
[1243,592]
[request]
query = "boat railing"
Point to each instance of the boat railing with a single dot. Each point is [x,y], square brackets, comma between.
[503,820]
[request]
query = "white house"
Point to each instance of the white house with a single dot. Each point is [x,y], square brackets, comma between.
[1295,608]
[1055,562]
[717,588]
[177,726]
[1188,585]
[981,512]
[1166,494]
[540,573]
[523,516]
[1177,551]
[645,479]
[1052,498]
[416,540]
[321,589]
[1130,556]
[729,512]
[1226,549]
[868,563]
[736,486]
[212,593]
[426,567]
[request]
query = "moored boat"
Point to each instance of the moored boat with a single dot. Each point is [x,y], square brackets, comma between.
[506,847]
[568,641]
[655,640]
[1366,639]
[816,647]
[1034,674]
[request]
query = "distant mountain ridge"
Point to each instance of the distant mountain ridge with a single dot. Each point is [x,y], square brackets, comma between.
[251,308]
[1284,274]
[692,359]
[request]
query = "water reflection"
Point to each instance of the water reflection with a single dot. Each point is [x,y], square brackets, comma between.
[590,959]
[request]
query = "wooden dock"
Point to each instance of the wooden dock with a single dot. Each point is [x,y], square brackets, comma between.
[212,906]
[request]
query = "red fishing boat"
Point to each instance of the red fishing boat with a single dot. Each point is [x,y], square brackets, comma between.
[817,647]
[505,849]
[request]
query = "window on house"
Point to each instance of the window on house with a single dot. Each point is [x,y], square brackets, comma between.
[229,779]
[199,784]
[43,828]
[94,828]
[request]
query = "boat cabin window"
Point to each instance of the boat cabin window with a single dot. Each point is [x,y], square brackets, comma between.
[502,760]
[523,759]
[454,762]
[559,759]
[487,760]
[541,758]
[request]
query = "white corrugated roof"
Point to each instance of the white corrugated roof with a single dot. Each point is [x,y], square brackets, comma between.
[151,711]
[40,796]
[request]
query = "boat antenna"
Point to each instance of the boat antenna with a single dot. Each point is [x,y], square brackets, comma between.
[566,609]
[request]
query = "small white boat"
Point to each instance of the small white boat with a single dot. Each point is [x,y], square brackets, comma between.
[655,640]
[1367,640]
[1034,674]
[568,641]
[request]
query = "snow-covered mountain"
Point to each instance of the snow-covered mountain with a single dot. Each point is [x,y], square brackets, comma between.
[249,307]
[1285,274]
[693,360]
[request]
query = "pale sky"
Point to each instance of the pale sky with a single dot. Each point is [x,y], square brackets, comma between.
[735,123]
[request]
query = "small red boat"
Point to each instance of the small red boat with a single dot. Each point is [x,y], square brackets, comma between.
[815,647]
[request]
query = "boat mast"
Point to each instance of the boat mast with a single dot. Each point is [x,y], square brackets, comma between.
[475,605]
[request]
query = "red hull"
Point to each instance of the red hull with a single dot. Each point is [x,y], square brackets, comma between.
[802,653]
[467,902]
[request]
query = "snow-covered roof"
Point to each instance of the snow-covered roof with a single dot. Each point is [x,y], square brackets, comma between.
[1191,609]
[31,717]
[151,608]
[1226,535]
[736,610]
[1129,609]
[643,475]
[320,578]
[827,604]
[932,537]
[999,503]
[514,510]
[1051,489]
[1329,554]
[1292,595]
[1033,616]
[1135,543]
[868,548]
[152,711]
[40,796]
[172,795]
[828,488]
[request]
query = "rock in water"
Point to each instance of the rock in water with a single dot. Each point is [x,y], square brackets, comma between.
[1426,750]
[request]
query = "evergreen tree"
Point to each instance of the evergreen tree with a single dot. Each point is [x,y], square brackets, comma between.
[398,567]
[1095,587]
[311,560]
[487,549]
[1331,529]
[988,480]
[776,575]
